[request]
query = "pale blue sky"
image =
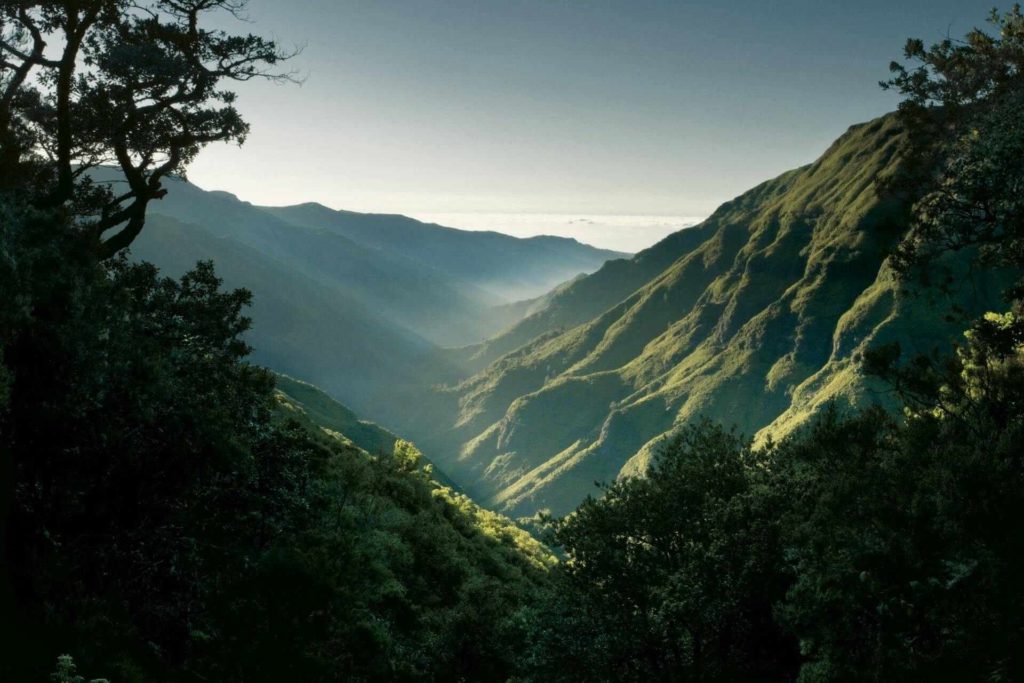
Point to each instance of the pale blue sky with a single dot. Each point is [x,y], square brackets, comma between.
[557,107]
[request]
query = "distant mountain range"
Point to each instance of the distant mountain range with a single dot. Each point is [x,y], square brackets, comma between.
[755,318]
[355,301]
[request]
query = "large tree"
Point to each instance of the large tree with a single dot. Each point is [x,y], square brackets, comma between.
[964,109]
[134,84]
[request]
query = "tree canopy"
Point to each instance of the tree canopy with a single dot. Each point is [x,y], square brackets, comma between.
[138,86]
[964,108]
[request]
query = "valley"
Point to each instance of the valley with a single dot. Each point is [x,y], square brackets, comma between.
[259,437]
[359,304]
[757,318]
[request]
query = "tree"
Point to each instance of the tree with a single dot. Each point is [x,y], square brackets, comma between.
[901,535]
[672,576]
[135,85]
[964,109]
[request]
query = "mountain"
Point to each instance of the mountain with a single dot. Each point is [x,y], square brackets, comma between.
[357,302]
[754,318]
[451,287]
[302,326]
[509,268]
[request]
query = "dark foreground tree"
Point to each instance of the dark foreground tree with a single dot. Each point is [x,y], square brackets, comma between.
[172,521]
[162,515]
[138,86]
[902,536]
[865,548]
[964,109]
[672,576]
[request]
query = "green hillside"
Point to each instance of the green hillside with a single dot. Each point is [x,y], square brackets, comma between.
[329,414]
[754,318]
[338,420]
[579,300]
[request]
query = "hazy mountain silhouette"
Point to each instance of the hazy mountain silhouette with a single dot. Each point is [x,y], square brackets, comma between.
[355,301]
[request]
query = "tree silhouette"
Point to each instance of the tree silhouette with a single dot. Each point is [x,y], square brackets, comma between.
[136,85]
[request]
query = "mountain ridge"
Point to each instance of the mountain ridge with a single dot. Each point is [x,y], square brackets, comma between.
[758,318]
[475,257]
[453,287]
[360,319]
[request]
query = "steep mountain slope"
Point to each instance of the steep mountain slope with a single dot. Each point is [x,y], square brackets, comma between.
[507,267]
[397,289]
[758,316]
[329,414]
[583,298]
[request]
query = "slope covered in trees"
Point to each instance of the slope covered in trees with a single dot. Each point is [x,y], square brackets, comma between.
[328,414]
[173,518]
[164,513]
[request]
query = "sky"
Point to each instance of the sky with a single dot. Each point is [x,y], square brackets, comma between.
[625,118]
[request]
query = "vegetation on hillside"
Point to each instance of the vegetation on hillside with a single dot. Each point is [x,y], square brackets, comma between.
[863,547]
[167,514]
[760,318]
[172,520]
[867,545]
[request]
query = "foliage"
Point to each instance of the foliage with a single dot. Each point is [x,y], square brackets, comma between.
[137,85]
[909,569]
[671,576]
[322,410]
[964,106]
[863,547]
[169,516]
[67,672]
[169,523]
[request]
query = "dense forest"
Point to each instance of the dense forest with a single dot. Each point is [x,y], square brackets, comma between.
[171,511]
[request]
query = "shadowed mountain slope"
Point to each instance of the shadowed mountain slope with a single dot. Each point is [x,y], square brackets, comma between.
[359,318]
[451,287]
[329,414]
[302,326]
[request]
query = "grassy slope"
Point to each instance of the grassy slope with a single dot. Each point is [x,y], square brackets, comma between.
[580,300]
[755,318]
